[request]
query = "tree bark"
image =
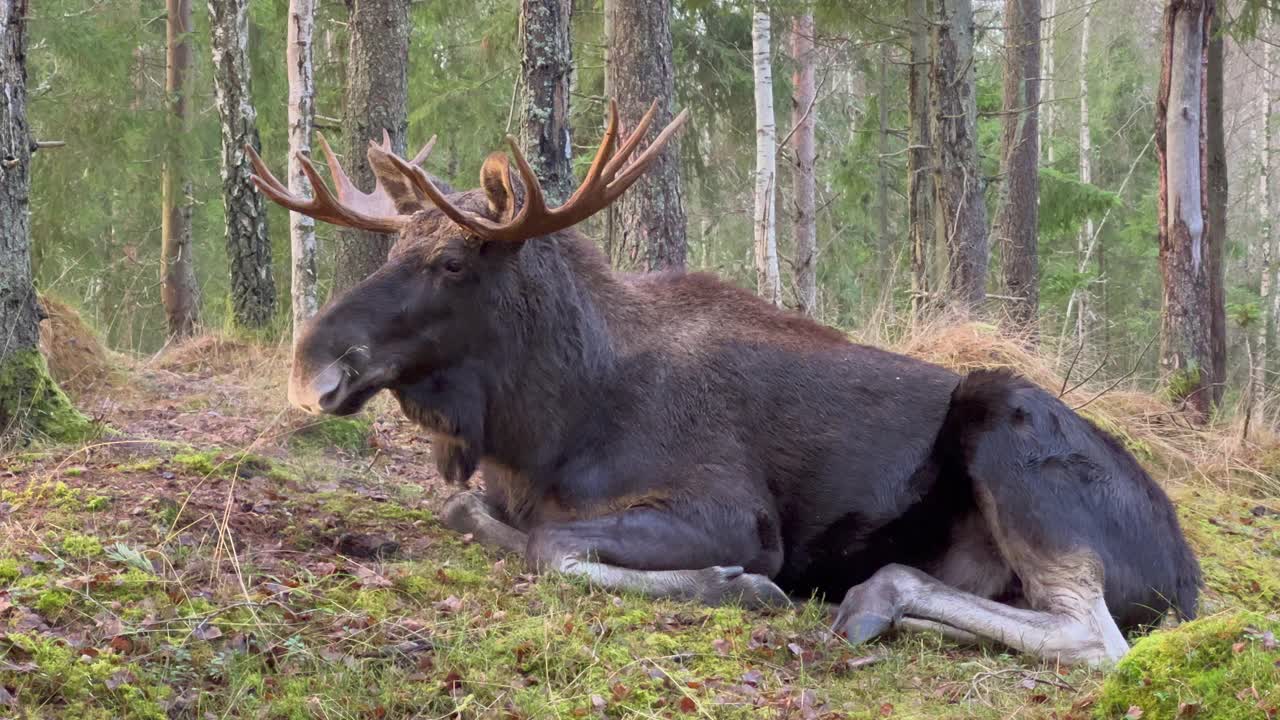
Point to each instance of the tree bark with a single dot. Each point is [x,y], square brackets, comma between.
[648,223]
[178,288]
[19,313]
[253,288]
[804,118]
[882,164]
[546,62]
[1267,286]
[768,282]
[960,218]
[376,100]
[302,110]
[1080,296]
[1216,230]
[1185,352]
[1046,80]
[921,225]
[1018,214]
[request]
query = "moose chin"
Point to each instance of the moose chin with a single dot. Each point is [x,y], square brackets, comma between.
[673,435]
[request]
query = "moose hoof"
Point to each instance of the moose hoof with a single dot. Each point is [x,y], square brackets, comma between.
[730,584]
[462,511]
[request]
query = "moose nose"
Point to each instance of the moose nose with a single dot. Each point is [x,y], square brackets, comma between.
[327,387]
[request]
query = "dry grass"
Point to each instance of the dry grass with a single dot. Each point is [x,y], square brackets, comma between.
[76,356]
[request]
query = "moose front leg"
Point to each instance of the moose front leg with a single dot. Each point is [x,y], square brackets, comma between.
[658,554]
[470,512]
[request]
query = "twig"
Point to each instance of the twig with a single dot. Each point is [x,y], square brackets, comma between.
[1105,357]
[1070,369]
[1123,377]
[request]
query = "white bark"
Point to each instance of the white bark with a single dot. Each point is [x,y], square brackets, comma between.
[768,278]
[1270,298]
[1086,174]
[302,93]
[1046,81]
[803,118]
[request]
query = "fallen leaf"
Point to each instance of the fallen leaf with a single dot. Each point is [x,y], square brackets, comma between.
[205,631]
[1238,648]
[795,649]
[886,709]
[1186,710]
[449,605]
[1028,682]
[722,646]
[1134,713]
[122,645]
[120,678]
[752,677]
[323,568]
[688,705]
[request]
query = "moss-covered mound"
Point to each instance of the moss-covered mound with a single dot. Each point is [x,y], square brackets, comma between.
[1222,667]
[32,404]
[77,359]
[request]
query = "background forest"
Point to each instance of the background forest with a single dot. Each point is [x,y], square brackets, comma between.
[98,84]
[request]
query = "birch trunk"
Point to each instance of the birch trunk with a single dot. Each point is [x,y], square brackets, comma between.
[768,282]
[253,288]
[546,62]
[1047,116]
[960,217]
[1216,229]
[1018,214]
[178,289]
[1185,354]
[919,156]
[302,109]
[1086,177]
[804,119]
[1267,244]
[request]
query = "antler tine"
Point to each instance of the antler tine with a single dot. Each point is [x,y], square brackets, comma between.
[633,139]
[603,154]
[421,157]
[266,182]
[534,208]
[619,184]
[419,178]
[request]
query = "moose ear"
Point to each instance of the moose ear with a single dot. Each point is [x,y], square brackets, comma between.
[406,197]
[499,188]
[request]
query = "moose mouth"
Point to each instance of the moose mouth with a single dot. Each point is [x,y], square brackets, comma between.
[334,392]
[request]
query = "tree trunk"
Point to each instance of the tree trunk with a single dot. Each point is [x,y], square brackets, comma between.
[919,156]
[1267,241]
[882,165]
[768,282]
[253,288]
[804,118]
[1185,318]
[302,111]
[648,226]
[377,94]
[1018,213]
[1216,230]
[30,401]
[546,61]
[1081,295]
[178,288]
[1046,81]
[960,218]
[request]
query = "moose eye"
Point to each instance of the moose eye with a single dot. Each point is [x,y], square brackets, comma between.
[453,265]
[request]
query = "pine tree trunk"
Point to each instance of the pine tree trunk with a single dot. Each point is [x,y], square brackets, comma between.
[1266,242]
[253,288]
[19,313]
[1081,295]
[960,217]
[546,61]
[376,99]
[919,156]
[302,110]
[1018,213]
[1216,230]
[178,288]
[1047,114]
[804,118]
[1185,352]
[648,224]
[768,282]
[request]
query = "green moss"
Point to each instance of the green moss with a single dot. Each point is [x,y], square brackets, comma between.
[140,466]
[9,570]
[75,685]
[81,546]
[31,401]
[51,603]
[97,503]
[197,462]
[344,433]
[1239,552]
[1214,664]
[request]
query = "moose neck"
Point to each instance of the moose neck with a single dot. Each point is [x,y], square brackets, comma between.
[560,347]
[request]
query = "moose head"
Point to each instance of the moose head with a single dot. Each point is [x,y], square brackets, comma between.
[446,292]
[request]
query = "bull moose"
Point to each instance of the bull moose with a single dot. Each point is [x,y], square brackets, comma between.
[673,435]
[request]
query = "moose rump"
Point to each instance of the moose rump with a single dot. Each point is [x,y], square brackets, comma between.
[673,435]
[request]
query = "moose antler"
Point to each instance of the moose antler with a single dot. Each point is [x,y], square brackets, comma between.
[376,211]
[602,185]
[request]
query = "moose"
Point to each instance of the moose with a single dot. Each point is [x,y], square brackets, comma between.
[673,435]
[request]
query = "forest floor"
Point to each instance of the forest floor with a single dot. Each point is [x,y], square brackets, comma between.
[217,555]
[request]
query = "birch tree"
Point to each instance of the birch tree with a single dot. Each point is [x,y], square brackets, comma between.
[1048,109]
[1268,295]
[178,289]
[546,62]
[1081,295]
[920,221]
[804,119]
[1018,213]
[960,215]
[768,281]
[253,287]
[1185,353]
[1216,230]
[301,118]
